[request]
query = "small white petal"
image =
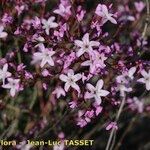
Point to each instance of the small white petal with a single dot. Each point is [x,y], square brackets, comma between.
[67,86]
[63,77]
[90,87]
[99,84]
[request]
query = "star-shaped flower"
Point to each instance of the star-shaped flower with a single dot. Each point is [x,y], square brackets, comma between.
[63,11]
[70,80]
[86,46]
[48,24]
[102,11]
[2,33]
[96,92]
[13,85]
[44,56]
[4,73]
[145,79]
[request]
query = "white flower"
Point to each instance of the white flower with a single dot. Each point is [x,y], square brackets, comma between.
[4,73]
[47,24]
[45,56]
[102,11]
[96,92]
[2,33]
[85,45]
[70,80]
[145,79]
[13,85]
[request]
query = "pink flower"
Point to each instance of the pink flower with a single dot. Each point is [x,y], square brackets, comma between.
[145,79]
[98,110]
[2,33]
[96,92]
[136,104]
[59,91]
[102,11]
[19,9]
[48,24]
[7,18]
[112,125]
[96,62]
[72,104]
[126,75]
[81,122]
[88,115]
[4,73]
[36,22]
[139,6]
[70,80]
[63,11]
[13,85]
[45,73]
[80,13]
[44,56]
[69,59]
[86,46]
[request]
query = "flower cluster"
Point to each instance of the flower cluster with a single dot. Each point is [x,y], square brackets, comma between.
[70,56]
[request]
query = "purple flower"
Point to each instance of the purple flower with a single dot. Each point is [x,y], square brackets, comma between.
[102,11]
[112,125]
[139,6]
[136,104]
[59,91]
[20,9]
[72,104]
[63,11]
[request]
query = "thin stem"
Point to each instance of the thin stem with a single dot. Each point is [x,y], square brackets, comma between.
[116,120]
[147,18]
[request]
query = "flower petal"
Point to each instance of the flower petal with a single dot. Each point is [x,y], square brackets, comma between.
[67,86]
[90,87]
[99,84]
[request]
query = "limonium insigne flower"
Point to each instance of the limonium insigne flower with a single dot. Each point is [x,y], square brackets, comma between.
[48,24]
[3,34]
[13,85]
[44,56]
[63,11]
[145,79]
[70,80]
[59,91]
[103,12]
[86,46]
[96,92]
[4,73]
